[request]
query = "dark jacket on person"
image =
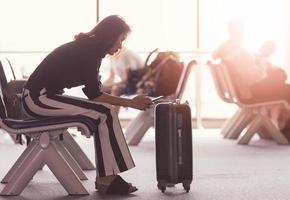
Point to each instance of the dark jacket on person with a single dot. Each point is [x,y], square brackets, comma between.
[73,64]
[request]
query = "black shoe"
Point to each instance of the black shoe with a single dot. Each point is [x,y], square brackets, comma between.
[117,187]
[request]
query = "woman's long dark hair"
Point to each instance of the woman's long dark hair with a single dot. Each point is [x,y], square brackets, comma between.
[107,31]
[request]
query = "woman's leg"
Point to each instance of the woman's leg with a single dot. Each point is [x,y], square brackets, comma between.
[112,153]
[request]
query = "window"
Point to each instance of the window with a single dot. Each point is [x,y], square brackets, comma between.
[167,24]
[32,28]
[263,20]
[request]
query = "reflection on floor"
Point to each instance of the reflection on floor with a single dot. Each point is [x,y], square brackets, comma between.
[222,170]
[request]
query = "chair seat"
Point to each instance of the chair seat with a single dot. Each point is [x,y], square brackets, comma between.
[46,121]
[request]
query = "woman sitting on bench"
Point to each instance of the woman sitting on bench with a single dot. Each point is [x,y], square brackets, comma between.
[77,63]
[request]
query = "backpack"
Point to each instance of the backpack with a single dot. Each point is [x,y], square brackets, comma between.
[134,76]
[12,94]
[162,75]
[168,78]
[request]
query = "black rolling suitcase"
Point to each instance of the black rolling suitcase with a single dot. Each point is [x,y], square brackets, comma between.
[173,138]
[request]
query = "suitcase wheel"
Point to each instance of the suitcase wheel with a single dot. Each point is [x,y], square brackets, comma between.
[186,186]
[161,186]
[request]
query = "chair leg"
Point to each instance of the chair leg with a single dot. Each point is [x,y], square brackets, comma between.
[63,172]
[53,157]
[24,173]
[230,122]
[139,126]
[70,160]
[18,162]
[276,134]
[252,129]
[240,125]
[241,114]
[77,153]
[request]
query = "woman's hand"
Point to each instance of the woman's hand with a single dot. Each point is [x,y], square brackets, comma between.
[141,102]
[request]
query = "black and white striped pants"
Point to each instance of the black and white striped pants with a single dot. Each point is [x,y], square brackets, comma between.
[112,153]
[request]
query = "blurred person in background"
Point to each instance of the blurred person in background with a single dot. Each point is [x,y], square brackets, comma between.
[120,81]
[255,78]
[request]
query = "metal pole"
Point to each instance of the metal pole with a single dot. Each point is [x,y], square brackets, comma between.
[198,70]
[197,24]
[287,35]
[98,10]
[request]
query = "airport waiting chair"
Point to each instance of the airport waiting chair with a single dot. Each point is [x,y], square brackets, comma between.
[12,88]
[256,118]
[145,119]
[7,72]
[8,75]
[234,125]
[46,148]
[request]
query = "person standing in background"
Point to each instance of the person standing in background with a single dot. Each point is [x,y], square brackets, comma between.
[121,64]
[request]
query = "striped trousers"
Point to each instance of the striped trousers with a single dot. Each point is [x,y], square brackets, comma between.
[111,150]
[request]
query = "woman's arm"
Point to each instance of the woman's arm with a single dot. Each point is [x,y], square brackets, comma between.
[139,102]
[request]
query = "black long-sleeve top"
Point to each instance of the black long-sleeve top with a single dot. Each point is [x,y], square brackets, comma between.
[72,64]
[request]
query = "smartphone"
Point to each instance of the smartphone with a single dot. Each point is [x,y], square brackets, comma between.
[154,100]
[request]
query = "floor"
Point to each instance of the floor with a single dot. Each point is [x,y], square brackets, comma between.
[222,170]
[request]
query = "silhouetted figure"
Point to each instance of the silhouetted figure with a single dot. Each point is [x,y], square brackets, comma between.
[119,80]
[273,85]
[240,62]
[77,63]
[121,64]
[255,78]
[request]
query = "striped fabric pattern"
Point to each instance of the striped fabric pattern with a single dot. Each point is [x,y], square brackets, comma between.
[112,153]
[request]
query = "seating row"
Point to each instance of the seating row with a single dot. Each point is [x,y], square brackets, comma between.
[53,145]
[252,117]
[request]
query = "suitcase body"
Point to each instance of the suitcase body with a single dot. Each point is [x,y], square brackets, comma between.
[173,139]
